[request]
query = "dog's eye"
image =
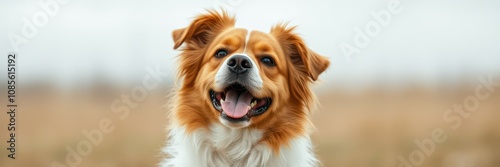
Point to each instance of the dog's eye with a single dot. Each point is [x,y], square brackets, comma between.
[268,61]
[221,53]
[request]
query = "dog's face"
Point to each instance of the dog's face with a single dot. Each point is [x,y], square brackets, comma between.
[244,78]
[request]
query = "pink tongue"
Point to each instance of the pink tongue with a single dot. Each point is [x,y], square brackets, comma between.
[236,106]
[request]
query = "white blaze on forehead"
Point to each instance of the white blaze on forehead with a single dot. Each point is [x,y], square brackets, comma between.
[247,38]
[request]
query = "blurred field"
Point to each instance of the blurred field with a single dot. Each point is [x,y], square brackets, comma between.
[365,129]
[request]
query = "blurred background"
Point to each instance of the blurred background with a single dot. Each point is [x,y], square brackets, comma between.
[377,103]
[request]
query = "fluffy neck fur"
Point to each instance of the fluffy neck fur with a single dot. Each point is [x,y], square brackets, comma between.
[220,146]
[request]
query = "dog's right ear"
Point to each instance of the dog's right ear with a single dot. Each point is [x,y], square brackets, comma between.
[202,30]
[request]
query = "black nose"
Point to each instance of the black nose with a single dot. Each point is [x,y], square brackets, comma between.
[239,64]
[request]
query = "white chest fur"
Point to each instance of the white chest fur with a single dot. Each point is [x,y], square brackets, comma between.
[221,146]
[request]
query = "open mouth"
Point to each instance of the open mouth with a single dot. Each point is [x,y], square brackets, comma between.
[236,103]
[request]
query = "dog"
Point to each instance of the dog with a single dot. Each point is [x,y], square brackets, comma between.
[243,98]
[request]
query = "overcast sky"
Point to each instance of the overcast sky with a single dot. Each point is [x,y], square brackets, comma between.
[425,42]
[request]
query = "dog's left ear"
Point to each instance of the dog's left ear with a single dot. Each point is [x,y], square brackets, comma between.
[303,59]
[203,29]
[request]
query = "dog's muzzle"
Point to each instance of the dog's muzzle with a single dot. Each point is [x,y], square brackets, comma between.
[235,81]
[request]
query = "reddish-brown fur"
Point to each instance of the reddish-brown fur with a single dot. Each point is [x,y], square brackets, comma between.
[287,83]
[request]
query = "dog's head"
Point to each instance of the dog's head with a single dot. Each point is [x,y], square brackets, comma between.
[244,78]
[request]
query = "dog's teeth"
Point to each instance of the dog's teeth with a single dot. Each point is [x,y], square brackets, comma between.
[252,104]
[221,100]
